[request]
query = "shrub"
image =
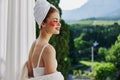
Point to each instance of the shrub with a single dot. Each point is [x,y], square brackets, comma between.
[103,70]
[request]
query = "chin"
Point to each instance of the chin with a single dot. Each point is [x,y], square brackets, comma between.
[57,33]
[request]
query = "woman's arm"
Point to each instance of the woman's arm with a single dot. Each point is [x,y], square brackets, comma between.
[29,64]
[30,70]
[49,58]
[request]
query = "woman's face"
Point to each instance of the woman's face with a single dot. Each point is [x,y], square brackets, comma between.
[52,25]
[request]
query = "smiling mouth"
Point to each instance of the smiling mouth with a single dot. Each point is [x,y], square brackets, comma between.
[58,28]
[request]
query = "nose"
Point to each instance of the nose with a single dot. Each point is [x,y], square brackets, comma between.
[59,24]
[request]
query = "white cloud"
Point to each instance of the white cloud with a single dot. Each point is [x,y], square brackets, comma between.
[71,4]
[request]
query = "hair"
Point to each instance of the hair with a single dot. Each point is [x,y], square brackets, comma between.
[52,10]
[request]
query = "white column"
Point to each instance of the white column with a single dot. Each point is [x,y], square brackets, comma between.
[3,26]
[20,35]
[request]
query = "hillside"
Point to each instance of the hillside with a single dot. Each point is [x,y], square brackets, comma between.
[93,9]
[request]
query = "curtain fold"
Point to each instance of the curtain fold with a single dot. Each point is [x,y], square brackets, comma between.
[17,32]
[3,32]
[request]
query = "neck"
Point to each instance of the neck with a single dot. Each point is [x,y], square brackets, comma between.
[44,37]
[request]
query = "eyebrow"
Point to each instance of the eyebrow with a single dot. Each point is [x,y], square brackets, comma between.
[56,18]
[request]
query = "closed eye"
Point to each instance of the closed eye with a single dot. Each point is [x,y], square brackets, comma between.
[56,21]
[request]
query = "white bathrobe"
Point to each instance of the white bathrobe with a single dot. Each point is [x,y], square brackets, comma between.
[53,76]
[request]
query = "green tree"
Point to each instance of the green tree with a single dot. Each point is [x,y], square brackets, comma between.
[114,53]
[102,53]
[72,49]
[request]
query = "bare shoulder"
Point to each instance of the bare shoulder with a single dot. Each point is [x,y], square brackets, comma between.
[32,48]
[33,44]
[49,52]
[50,49]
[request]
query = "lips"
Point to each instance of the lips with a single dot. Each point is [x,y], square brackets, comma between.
[58,28]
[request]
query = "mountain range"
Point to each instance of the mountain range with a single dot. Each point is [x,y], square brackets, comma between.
[95,9]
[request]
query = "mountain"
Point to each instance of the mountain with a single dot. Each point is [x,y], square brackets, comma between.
[93,9]
[115,15]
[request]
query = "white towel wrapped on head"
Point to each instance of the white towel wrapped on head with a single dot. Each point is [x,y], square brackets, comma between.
[41,9]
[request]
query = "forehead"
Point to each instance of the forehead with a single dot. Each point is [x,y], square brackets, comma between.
[54,15]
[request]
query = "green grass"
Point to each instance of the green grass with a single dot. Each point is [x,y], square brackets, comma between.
[95,22]
[101,22]
[84,22]
[119,22]
[88,63]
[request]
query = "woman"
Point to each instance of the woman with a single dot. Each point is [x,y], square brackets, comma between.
[42,61]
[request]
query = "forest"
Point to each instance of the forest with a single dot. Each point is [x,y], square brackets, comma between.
[106,53]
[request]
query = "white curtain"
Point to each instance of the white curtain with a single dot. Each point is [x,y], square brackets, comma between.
[17,32]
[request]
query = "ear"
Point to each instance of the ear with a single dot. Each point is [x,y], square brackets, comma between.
[43,24]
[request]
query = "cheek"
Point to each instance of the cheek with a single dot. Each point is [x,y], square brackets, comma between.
[52,23]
